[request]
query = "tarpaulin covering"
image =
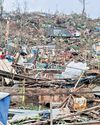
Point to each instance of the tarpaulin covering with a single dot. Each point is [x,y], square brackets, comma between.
[4,106]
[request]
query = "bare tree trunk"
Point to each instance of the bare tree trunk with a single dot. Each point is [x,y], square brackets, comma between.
[1,7]
[25,6]
[18,9]
[83,2]
[83,11]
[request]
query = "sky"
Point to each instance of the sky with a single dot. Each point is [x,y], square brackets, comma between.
[51,6]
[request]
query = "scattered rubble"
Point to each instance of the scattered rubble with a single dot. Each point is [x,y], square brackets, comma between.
[52,61]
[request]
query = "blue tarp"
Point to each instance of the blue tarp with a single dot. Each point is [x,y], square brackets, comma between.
[4,106]
[97,29]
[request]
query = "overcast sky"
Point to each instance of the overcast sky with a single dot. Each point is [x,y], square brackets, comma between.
[65,6]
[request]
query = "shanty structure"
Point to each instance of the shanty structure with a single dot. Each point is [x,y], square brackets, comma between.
[58,32]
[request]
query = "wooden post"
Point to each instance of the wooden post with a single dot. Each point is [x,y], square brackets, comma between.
[51,119]
[7,32]
[2,81]
[23,90]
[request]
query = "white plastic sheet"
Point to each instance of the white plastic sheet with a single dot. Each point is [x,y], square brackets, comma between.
[74,69]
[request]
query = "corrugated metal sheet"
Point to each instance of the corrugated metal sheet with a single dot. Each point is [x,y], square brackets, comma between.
[58,32]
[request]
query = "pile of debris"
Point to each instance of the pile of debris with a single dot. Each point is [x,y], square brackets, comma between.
[45,61]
